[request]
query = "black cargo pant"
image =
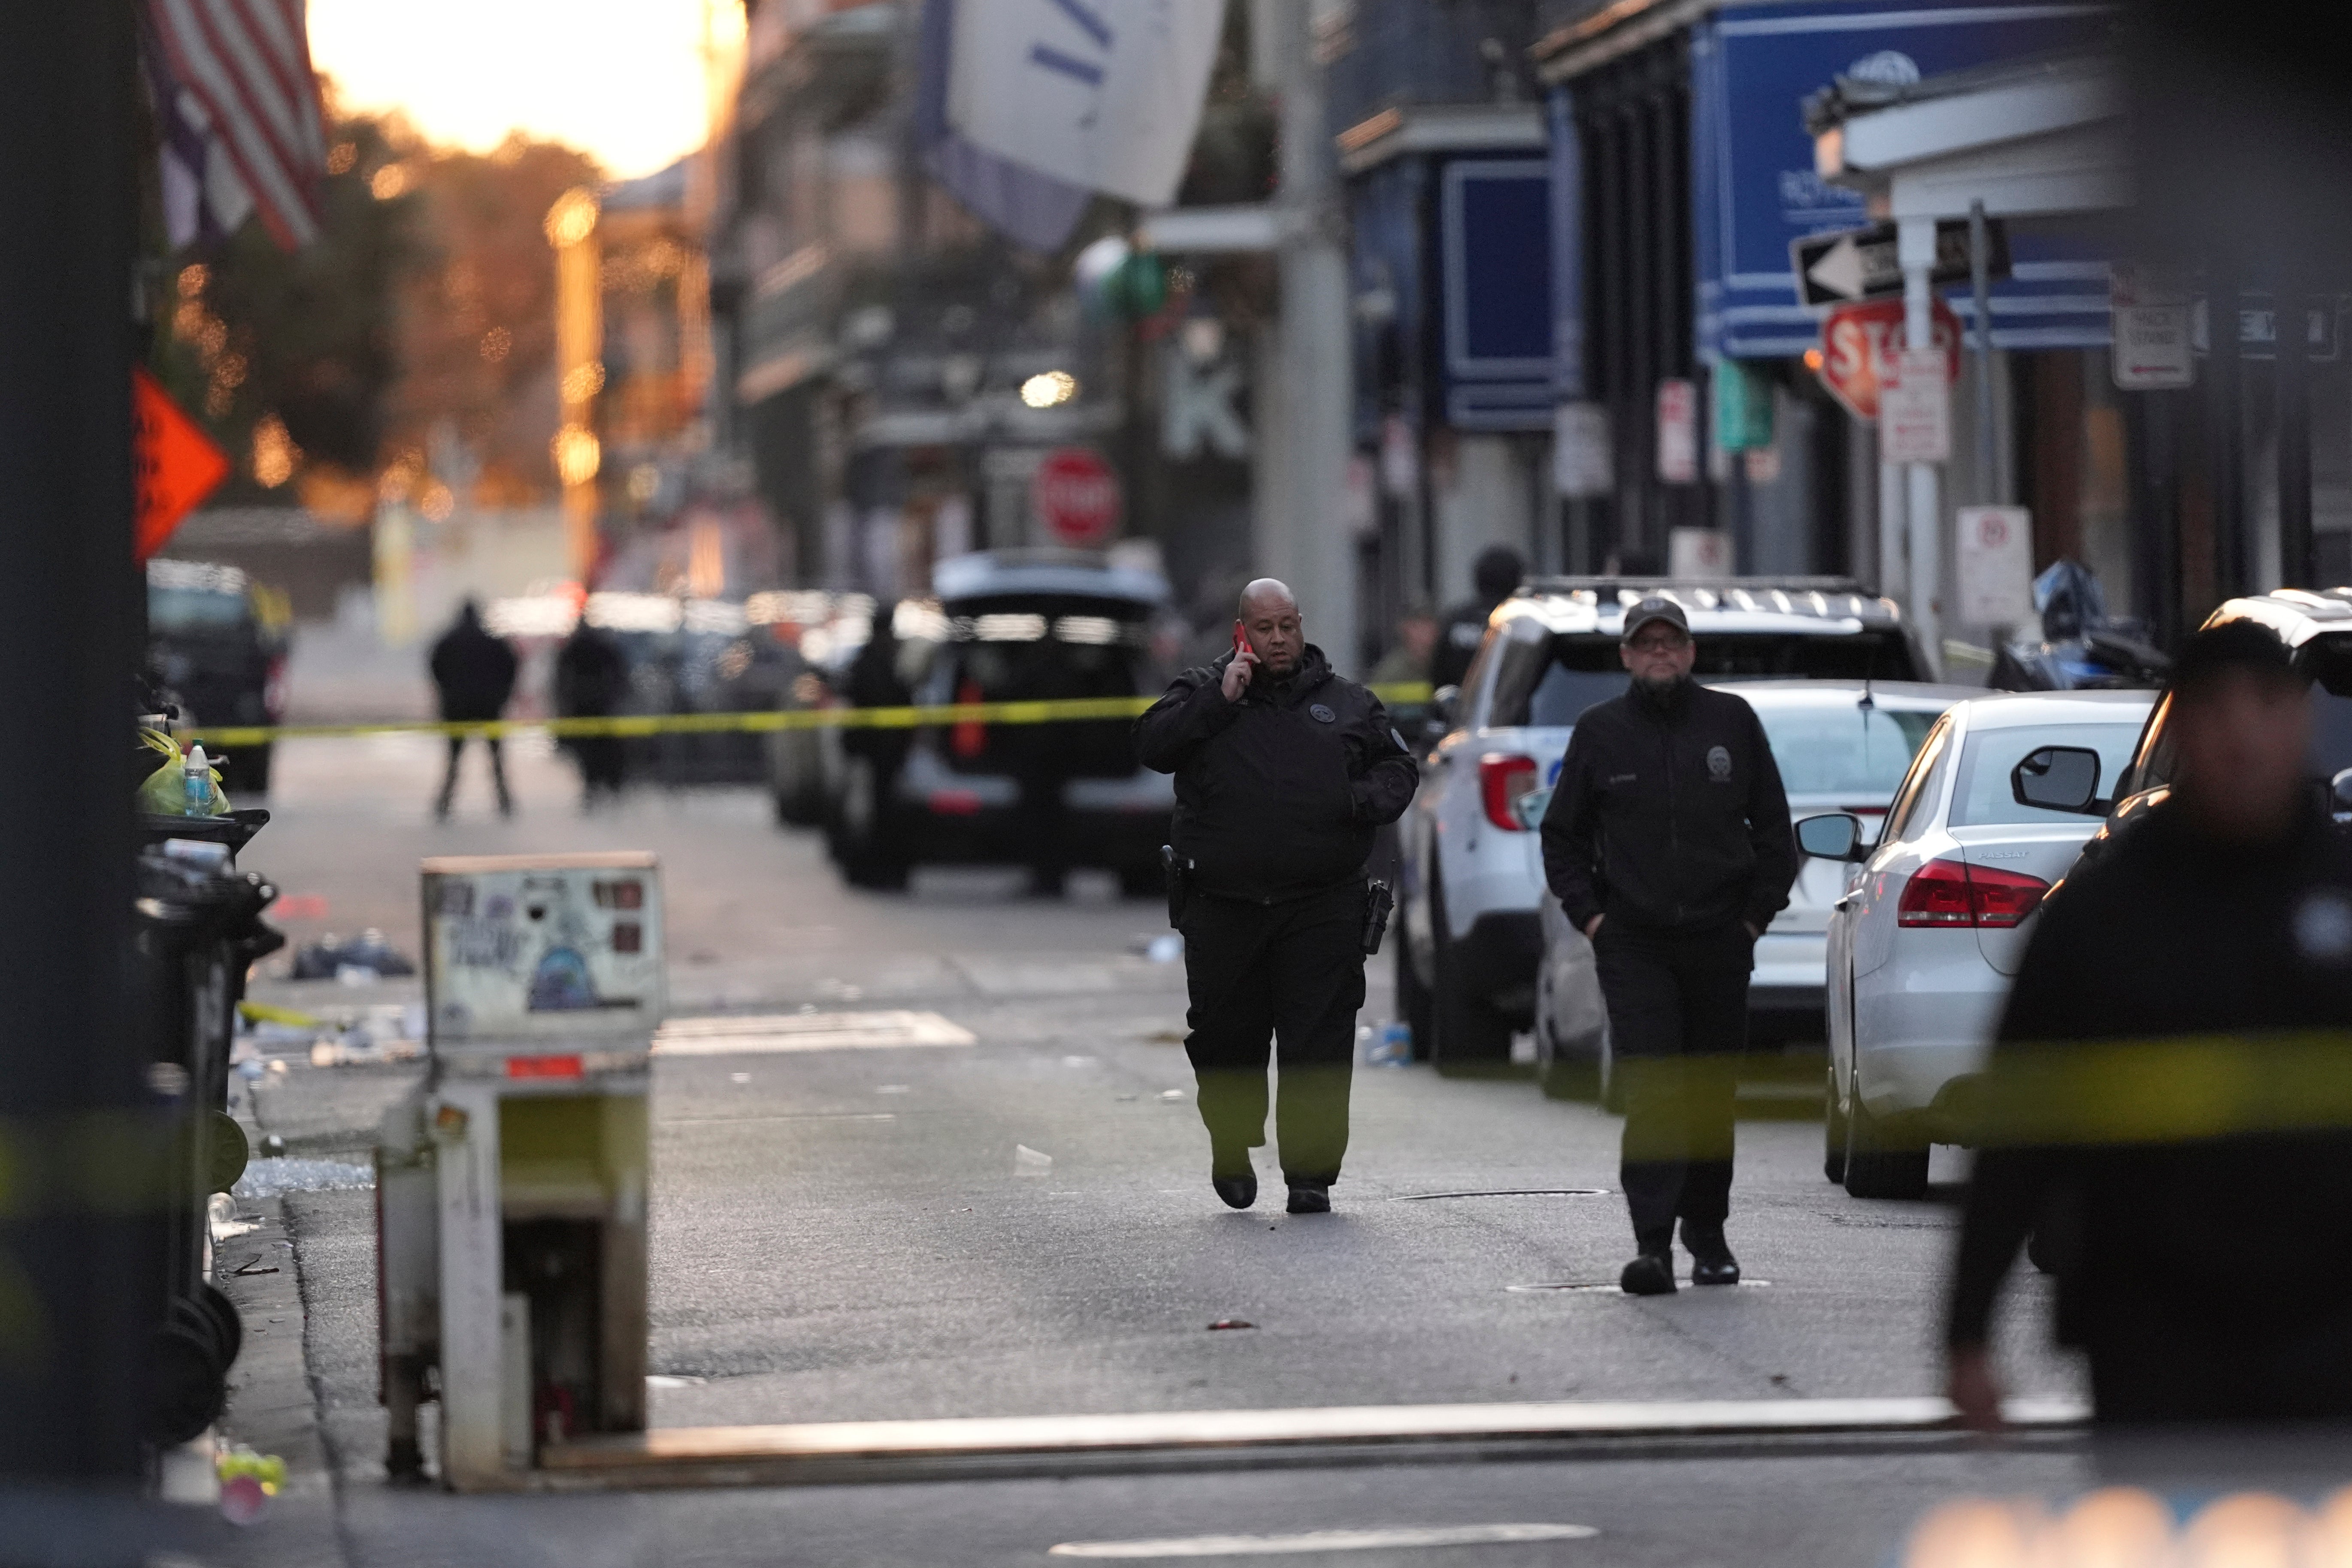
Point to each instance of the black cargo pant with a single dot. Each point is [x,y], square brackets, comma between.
[1293,972]
[1677,1022]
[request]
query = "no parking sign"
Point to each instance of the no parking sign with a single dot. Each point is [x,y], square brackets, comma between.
[1996,565]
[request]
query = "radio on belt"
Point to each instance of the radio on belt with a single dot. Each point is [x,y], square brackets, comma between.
[510,1188]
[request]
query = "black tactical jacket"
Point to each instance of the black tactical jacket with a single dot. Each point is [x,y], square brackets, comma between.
[1276,795]
[1670,816]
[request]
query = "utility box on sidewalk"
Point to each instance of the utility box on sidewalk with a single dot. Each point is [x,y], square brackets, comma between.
[511,1186]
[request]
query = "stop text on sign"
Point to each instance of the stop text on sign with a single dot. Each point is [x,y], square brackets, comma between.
[1861,345]
[1077,496]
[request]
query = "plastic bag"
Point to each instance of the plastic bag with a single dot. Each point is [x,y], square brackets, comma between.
[164,793]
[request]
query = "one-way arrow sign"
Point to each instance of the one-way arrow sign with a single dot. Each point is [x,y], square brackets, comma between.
[1858,263]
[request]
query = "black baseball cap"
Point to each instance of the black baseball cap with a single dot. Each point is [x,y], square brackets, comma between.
[1656,608]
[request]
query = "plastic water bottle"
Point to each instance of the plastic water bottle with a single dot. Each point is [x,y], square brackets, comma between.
[196,781]
[1391,1046]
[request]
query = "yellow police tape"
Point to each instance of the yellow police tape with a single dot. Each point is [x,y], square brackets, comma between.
[1058,710]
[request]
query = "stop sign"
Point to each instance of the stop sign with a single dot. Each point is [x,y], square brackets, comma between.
[1859,346]
[1077,496]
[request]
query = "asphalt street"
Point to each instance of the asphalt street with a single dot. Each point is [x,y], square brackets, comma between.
[1023,1225]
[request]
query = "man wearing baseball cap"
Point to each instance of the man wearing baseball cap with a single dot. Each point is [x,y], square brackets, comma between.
[1669,845]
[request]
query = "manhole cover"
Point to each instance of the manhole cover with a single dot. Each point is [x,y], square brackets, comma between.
[1610,1287]
[1508,1192]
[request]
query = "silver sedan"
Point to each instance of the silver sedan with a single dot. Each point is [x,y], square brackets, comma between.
[1936,915]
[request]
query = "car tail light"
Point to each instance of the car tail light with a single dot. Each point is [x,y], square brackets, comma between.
[273,689]
[956,802]
[1954,893]
[1502,779]
[968,738]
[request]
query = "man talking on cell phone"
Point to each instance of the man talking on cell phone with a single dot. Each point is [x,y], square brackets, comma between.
[1283,771]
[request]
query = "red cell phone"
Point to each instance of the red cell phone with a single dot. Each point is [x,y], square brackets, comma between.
[1241,639]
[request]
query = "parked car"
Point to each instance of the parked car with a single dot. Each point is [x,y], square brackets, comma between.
[1935,915]
[2317,629]
[1009,626]
[821,634]
[1468,897]
[1840,746]
[216,642]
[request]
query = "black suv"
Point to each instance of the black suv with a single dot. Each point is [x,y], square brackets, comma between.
[2317,629]
[216,644]
[1011,626]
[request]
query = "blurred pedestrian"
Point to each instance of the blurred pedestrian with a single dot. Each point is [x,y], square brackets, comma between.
[1406,662]
[590,676]
[2168,1091]
[1669,845]
[475,674]
[1496,573]
[1283,771]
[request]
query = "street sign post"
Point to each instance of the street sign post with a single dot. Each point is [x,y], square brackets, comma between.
[1859,345]
[1857,264]
[1075,496]
[174,462]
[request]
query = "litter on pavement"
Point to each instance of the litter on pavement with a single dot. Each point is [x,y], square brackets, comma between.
[359,960]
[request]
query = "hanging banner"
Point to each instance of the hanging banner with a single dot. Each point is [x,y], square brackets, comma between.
[1101,93]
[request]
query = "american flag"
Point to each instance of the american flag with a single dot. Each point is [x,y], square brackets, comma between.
[238,112]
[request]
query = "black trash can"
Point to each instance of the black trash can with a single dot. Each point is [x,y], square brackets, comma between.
[196,927]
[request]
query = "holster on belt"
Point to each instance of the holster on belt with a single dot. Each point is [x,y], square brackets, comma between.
[1378,901]
[1179,874]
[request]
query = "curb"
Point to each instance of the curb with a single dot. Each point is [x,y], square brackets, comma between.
[272,1407]
[895,1451]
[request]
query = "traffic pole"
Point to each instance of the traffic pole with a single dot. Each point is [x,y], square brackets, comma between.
[1310,548]
[80,1266]
[1923,502]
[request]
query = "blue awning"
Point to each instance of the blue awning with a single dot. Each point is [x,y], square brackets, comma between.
[1752,164]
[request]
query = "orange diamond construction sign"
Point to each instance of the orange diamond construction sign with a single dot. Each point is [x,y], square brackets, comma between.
[177,465]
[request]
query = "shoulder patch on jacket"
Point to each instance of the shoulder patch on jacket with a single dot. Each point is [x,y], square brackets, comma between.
[1718,764]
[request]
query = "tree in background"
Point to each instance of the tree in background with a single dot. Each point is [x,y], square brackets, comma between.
[409,351]
[289,358]
[475,409]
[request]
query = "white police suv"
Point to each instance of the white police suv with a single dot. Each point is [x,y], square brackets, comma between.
[1469,892]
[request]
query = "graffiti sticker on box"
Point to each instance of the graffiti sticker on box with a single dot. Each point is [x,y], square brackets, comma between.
[517,950]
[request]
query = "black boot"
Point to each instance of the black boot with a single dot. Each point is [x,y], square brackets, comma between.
[1650,1274]
[1711,1260]
[1231,1173]
[1310,1196]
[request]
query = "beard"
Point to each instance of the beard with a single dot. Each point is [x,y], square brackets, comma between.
[1658,689]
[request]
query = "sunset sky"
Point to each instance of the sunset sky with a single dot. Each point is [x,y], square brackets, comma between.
[622,79]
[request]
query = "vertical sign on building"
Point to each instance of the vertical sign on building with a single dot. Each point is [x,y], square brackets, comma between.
[1582,462]
[2152,346]
[1678,432]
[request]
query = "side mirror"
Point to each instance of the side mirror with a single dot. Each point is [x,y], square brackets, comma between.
[1836,836]
[1529,808]
[1443,702]
[2059,778]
